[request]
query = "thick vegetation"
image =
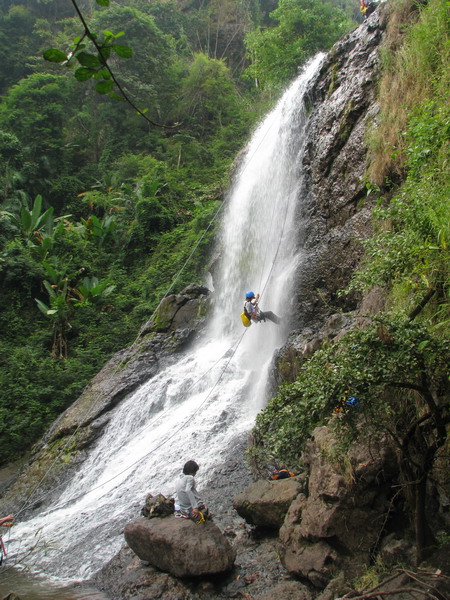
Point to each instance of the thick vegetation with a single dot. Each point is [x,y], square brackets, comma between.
[391,375]
[99,208]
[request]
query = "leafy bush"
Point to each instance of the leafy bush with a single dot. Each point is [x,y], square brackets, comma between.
[304,28]
[369,364]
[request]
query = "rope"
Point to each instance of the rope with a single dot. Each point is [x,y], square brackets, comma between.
[118,367]
[170,437]
[277,250]
[75,498]
[152,423]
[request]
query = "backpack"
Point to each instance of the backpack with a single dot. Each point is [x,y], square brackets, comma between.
[245,318]
[281,474]
[158,506]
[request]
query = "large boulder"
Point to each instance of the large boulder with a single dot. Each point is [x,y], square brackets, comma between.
[179,311]
[179,546]
[341,519]
[265,503]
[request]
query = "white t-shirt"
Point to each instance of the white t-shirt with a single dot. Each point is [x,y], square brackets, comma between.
[186,492]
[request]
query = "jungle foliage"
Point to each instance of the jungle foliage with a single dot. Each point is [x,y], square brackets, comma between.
[99,208]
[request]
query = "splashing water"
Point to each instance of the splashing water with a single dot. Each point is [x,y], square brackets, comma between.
[193,409]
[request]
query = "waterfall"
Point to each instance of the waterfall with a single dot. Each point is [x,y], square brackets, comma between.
[195,408]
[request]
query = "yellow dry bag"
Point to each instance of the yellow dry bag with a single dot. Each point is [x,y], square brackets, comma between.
[245,320]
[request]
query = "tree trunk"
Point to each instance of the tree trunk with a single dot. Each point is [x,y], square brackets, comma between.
[421,520]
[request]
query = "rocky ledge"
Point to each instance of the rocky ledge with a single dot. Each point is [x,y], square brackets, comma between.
[180,546]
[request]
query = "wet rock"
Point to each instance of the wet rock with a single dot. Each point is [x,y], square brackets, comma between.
[334,213]
[287,590]
[340,520]
[178,311]
[179,546]
[265,503]
[126,577]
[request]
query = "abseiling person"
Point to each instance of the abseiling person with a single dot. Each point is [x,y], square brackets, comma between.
[254,313]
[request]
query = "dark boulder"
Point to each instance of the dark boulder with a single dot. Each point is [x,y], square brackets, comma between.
[265,503]
[339,522]
[179,311]
[179,546]
[126,577]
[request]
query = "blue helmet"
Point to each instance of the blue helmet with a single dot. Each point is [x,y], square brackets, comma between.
[249,295]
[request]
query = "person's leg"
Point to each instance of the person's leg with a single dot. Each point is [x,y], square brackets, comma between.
[268,314]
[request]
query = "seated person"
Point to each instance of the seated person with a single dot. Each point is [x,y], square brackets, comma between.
[189,503]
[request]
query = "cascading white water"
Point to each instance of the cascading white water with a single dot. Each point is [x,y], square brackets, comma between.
[195,408]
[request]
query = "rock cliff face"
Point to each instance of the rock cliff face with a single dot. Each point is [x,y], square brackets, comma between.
[334,213]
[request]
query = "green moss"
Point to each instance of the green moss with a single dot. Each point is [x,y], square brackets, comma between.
[345,124]
[334,72]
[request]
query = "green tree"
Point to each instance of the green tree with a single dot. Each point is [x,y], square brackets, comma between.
[36,110]
[17,43]
[304,28]
[210,100]
[11,164]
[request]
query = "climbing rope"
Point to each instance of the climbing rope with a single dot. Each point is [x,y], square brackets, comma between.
[92,408]
[167,439]
[150,424]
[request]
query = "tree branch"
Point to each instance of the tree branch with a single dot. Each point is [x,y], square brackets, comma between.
[413,314]
[113,77]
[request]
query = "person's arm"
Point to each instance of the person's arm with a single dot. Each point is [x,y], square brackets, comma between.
[7,520]
[255,309]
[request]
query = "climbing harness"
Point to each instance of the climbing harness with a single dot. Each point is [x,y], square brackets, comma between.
[199,519]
